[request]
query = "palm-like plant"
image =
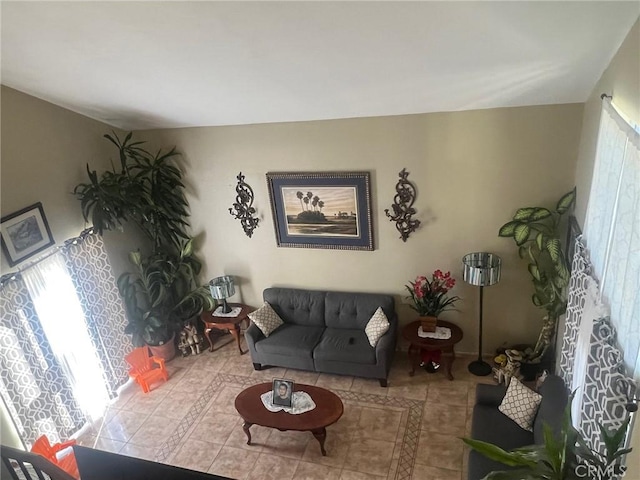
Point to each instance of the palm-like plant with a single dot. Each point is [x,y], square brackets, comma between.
[147,190]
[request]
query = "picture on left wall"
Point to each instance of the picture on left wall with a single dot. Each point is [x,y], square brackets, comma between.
[25,233]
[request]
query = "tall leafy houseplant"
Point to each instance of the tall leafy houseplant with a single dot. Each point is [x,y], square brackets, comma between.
[161,293]
[536,232]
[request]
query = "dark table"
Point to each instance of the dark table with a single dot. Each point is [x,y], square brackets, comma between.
[416,343]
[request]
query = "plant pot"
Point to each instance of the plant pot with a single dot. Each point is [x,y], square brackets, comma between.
[428,323]
[165,351]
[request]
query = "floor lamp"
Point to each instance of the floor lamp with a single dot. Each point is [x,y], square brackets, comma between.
[482,270]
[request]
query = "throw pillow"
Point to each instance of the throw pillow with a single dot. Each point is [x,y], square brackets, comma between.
[520,404]
[266,319]
[376,327]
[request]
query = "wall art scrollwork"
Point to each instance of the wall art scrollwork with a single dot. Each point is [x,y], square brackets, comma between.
[243,209]
[403,207]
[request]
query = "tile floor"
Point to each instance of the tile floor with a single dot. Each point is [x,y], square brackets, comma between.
[408,430]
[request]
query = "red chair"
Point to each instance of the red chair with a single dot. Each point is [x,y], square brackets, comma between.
[66,462]
[143,369]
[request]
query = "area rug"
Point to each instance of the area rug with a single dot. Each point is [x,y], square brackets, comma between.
[406,440]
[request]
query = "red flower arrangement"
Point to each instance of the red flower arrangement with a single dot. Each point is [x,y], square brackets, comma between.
[430,296]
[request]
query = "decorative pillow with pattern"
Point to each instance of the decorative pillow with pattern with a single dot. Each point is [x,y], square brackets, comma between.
[266,319]
[520,404]
[376,327]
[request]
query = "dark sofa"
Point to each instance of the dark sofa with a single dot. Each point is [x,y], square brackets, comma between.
[491,425]
[324,332]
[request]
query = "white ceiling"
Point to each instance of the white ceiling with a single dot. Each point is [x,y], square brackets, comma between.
[139,65]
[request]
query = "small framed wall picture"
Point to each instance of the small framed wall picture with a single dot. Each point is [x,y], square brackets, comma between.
[282,392]
[25,233]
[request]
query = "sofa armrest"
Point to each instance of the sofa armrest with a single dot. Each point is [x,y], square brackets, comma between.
[386,346]
[490,394]
[252,335]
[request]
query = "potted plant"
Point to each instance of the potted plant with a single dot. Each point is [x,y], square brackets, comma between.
[147,189]
[536,232]
[565,456]
[430,298]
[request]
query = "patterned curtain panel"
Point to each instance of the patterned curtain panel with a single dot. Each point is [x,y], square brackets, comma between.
[91,272]
[575,306]
[33,384]
[606,388]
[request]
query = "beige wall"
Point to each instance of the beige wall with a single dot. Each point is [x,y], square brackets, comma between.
[472,170]
[622,80]
[45,149]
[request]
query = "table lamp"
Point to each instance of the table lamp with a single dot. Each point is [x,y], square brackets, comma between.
[222,288]
[482,270]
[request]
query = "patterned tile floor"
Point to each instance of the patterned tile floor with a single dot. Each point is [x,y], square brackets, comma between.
[409,430]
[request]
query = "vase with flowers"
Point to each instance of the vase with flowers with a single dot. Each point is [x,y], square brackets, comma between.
[430,297]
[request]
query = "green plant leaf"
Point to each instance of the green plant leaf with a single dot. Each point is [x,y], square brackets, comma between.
[521,233]
[534,271]
[554,247]
[508,229]
[524,214]
[497,454]
[536,300]
[566,201]
[540,213]
[540,240]
[135,257]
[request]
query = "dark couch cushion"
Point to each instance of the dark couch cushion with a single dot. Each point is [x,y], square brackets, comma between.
[554,399]
[293,340]
[354,310]
[298,307]
[491,425]
[335,346]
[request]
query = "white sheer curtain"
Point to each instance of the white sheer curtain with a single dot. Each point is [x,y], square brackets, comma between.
[612,229]
[62,319]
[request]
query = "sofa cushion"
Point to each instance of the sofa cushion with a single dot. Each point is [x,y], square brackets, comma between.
[490,425]
[353,310]
[377,326]
[345,345]
[266,319]
[520,404]
[294,340]
[298,307]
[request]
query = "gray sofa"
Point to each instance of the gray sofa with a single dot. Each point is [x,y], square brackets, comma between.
[324,332]
[491,425]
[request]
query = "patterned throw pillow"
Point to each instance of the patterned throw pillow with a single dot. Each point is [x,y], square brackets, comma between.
[376,327]
[266,319]
[520,404]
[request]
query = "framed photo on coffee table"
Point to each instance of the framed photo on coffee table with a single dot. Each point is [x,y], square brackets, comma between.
[282,392]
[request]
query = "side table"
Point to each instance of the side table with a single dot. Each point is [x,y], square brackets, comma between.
[416,343]
[232,324]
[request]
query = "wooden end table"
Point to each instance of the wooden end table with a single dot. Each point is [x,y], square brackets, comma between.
[416,343]
[232,324]
[328,410]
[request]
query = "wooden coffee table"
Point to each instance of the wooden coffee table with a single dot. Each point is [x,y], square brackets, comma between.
[226,323]
[328,410]
[410,333]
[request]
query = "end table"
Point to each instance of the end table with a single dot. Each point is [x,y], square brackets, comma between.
[232,324]
[416,343]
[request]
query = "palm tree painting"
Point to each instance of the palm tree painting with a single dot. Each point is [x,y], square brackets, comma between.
[325,211]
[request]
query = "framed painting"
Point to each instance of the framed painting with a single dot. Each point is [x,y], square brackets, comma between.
[25,233]
[322,210]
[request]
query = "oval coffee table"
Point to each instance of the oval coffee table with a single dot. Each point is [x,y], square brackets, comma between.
[410,333]
[328,410]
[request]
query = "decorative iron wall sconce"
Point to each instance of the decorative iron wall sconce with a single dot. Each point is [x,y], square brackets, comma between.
[403,207]
[243,207]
